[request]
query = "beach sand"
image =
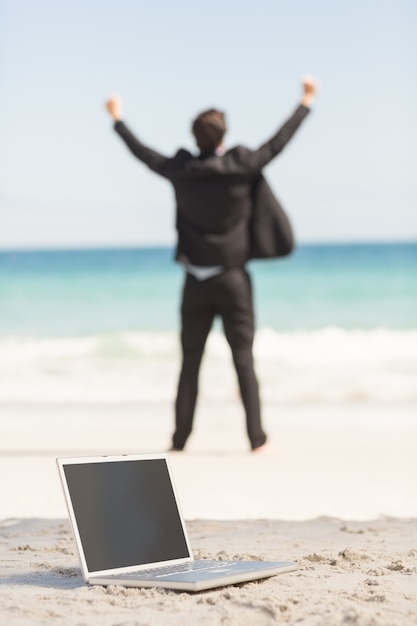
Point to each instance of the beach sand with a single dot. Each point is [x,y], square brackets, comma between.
[336,493]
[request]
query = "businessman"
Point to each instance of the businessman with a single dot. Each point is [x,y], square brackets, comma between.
[214,198]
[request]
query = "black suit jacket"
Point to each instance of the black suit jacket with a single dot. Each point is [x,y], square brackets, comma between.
[215,196]
[270,229]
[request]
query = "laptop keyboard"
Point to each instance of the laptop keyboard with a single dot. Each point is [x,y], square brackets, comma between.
[183,568]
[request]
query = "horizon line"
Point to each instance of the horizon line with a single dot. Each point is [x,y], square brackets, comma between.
[168,246]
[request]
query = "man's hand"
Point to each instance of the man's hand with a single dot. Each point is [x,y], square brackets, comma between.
[310,90]
[114,107]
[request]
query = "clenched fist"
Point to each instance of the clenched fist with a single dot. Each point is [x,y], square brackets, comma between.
[310,87]
[114,107]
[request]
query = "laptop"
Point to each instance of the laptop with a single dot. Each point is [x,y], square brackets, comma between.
[129,529]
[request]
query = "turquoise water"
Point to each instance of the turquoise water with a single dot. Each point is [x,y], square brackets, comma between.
[336,323]
[76,292]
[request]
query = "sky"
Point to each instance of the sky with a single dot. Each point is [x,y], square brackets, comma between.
[67,180]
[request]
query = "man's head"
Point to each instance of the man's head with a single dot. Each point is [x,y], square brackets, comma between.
[208,129]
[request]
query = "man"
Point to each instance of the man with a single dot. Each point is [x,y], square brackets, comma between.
[214,195]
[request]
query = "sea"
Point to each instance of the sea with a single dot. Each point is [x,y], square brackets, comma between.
[335,323]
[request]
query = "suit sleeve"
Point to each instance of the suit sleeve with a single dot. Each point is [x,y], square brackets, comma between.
[269,150]
[154,160]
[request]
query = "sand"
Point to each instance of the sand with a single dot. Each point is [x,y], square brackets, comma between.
[337,493]
[362,573]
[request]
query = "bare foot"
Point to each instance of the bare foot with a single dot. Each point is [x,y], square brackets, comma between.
[266,447]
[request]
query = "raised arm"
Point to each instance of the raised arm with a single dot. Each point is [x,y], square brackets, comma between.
[154,160]
[274,146]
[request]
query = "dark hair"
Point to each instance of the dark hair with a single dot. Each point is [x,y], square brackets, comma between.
[208,129]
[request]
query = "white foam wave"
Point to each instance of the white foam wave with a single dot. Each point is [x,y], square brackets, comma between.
[325,365]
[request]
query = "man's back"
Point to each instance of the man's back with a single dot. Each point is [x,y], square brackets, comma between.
[214,193]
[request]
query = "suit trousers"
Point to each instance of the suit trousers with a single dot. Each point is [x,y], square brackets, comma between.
[228,295]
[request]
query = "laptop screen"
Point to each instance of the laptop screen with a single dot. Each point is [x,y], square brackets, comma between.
[126,513]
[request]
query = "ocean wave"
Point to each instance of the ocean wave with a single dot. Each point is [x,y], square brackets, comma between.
[325,365]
